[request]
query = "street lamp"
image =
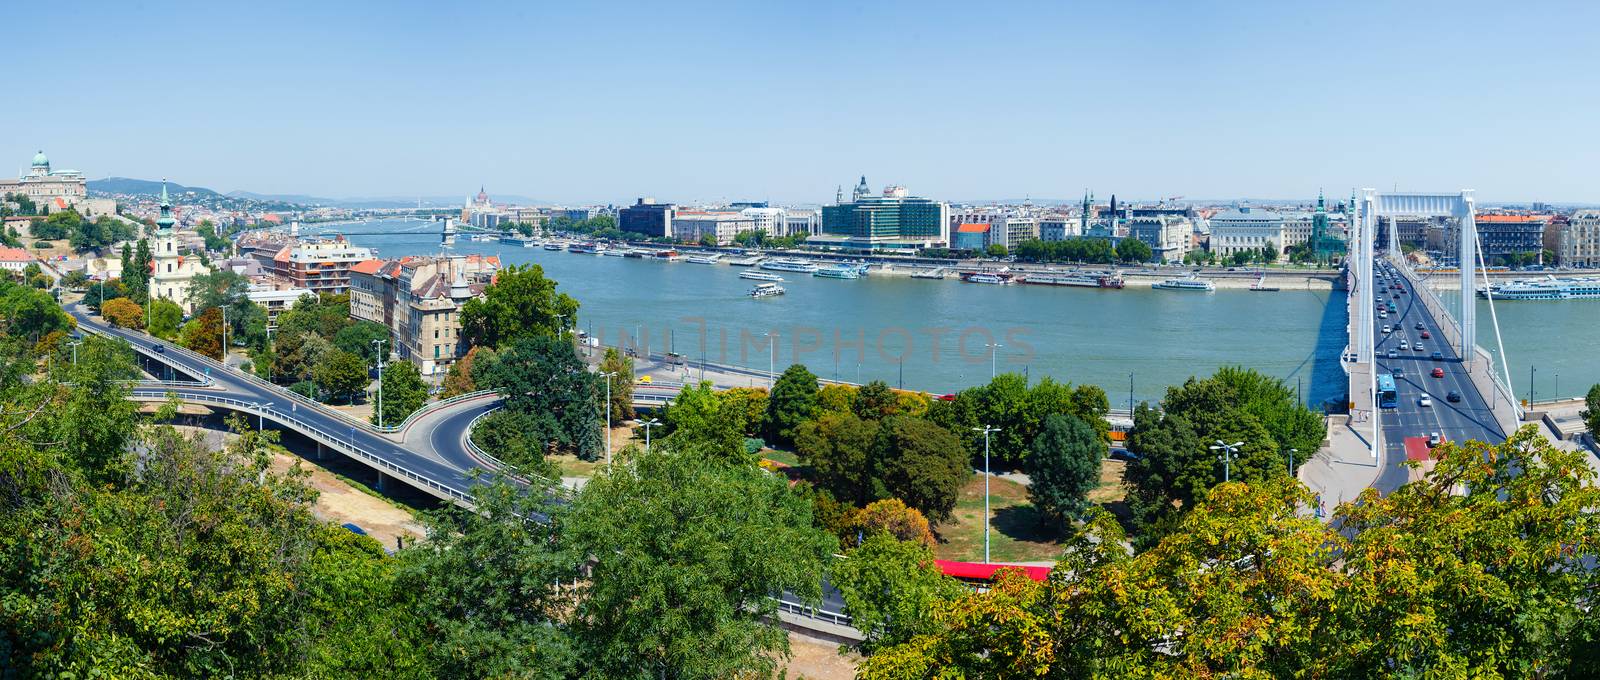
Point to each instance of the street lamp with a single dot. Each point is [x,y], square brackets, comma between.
[647,425]
[1130,394]
[261,415]
[1291,461]
[1228,452]
[994,351]
[74,345]
[379,344]
[608,377]
[772,360]
[986,430]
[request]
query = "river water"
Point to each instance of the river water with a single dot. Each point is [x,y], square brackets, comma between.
[935,335]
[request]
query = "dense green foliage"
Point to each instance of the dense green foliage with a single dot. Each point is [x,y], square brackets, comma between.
[365,339]
[696,418]
[1063,467]
[1008,402]
[621,381]
[792,402]
[341,375]
[1481,569]
[403,392]
[203,333]
[129,550]
[165,318]
[1176,464]
[686,553]
[551,397]
[1084,249]
[30,314]
[520,303]
[224,289]
[890,588]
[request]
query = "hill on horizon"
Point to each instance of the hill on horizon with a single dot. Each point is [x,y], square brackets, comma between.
[128,185]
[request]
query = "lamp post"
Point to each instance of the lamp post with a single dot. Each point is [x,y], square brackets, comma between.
[772,360]
[1291,461]
[608,377]
[224,336]
[647,425]
[994,351]
[74,345]
[1228,450]
[379,345]
[1531,371]
[1130,394]
[986,430]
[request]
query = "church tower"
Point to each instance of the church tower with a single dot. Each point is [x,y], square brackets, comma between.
[171,273]
[861,191]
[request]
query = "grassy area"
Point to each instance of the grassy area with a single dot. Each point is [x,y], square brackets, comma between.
[1018,533]
[572,466]
[781,456]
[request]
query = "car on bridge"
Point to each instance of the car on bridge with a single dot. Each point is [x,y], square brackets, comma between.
[1419,325]
[1453,396]
[1438,373]
[1426,335]
[1438,356]
[1393,354]
[1425,401]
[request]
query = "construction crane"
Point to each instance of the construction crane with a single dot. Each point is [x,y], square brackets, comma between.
[1168,199]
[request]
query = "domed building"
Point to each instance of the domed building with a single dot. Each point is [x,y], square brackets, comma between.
[50,189]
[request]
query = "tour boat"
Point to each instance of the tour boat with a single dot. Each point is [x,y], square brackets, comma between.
[763,290]
[790,266]
[1186,284]
[759,276]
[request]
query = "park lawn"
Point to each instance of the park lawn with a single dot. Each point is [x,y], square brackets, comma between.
[780,456]
[573,466]
[1017,533]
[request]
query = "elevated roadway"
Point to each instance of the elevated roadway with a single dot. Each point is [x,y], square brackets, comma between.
[1472,417]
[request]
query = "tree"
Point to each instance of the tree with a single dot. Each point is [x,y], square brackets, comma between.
[203,334]
[837,398]
[890,589]
[920,463]
[30,313]
[403,392]
[893,517]
[1134,250]
[1591,412]
[876,401]
[323,315]
[165,317]
[695,419]
[521,302]
[745,407]
[295,355]
[545,381]
[837,447]
[621,383]
[793,401]
[458,380]
[124,313]
[699,605]
[995,250]
[342,374]
[365,339]
[136,272]
[1064,467]
[487,586]
[247,321]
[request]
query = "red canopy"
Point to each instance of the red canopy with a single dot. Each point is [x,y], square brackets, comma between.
[978,570]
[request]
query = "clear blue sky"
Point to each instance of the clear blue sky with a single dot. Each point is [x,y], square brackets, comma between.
[689,101]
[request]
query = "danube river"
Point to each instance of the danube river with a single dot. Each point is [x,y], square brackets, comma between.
[936,335]
[933,335]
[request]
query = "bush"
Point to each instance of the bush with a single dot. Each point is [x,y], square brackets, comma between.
[41,245]
[305,388]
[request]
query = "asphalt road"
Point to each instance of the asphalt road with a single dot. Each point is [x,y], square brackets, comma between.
[446,466]
[1471,418]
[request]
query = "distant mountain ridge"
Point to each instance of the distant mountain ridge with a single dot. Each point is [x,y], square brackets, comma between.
[127,185]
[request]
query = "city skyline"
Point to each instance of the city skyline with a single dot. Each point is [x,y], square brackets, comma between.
[706,104]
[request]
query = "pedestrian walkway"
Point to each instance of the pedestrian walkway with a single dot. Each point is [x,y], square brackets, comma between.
[1343,468]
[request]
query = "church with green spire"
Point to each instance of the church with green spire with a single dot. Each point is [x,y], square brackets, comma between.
[172,267]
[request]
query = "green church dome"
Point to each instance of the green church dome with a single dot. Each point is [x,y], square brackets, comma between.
[39,161]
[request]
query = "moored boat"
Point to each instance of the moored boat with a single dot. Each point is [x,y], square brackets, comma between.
[759,276]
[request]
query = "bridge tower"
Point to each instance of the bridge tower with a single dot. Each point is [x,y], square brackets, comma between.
[449,232]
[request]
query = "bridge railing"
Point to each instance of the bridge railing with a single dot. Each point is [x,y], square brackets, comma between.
[430,407]
[279,389]
[344,444]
